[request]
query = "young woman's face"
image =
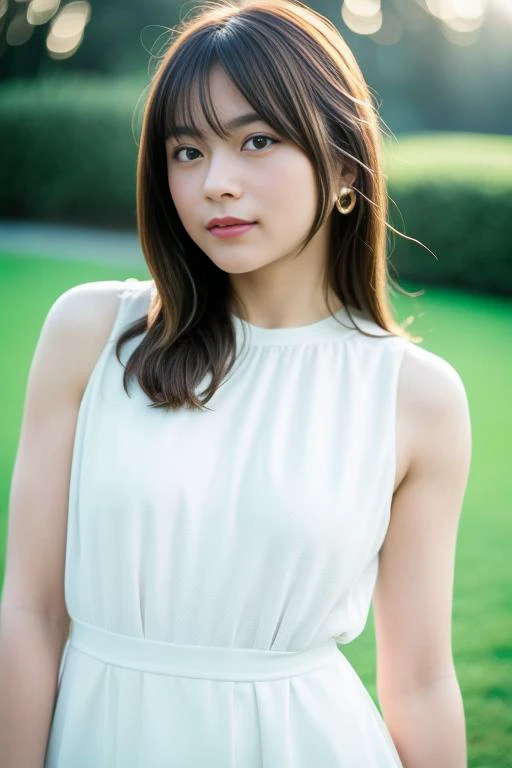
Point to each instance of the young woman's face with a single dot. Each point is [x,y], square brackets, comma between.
[254,175]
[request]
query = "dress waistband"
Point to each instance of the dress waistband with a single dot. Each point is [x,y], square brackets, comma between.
[207,662]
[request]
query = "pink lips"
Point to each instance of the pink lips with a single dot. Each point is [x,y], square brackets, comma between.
[232,230]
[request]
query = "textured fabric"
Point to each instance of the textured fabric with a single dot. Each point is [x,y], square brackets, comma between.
[255,524]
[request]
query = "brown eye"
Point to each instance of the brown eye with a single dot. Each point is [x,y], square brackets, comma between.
[184,149]
[258,138]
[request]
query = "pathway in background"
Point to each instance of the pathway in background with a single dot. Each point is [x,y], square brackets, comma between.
[62,241]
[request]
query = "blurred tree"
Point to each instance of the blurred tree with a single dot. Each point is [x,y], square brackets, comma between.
[113,40]
[425,75]
[22,46]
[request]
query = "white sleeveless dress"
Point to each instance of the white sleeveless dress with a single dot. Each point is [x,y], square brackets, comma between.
[215,559]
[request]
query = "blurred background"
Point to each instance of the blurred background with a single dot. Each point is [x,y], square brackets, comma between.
[73,78]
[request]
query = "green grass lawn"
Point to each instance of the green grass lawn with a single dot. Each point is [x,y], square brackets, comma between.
[473,334]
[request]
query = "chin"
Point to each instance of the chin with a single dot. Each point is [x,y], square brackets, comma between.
[237,264]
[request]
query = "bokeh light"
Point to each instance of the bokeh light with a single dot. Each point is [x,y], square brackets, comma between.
[470,12]
[67,29]
[41,11]
[19,30]
[363,7]
[504,6]
[362,23]
[391,31]
[460,19]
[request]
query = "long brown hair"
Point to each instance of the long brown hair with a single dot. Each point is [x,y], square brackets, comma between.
[294,68]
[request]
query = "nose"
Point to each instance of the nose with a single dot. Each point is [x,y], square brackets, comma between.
[221,178]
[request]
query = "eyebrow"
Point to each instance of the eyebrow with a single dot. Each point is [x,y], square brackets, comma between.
[237,122]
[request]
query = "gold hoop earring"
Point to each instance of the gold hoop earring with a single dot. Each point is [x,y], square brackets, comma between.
[346,192]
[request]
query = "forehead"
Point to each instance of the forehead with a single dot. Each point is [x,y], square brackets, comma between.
[224,92]
[211,103]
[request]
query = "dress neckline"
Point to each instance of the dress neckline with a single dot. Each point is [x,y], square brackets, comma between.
[330,327]
[333,327]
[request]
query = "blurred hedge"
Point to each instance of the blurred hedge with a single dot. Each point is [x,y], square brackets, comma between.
[70,151]
[70,148]
[453,192]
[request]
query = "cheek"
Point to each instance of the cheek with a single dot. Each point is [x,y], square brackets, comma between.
[292,185]
[293,170]
[174,188]
[181,197]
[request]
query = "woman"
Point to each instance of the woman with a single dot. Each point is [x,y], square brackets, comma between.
[260,450]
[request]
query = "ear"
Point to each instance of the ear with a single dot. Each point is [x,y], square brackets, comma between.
[348,176]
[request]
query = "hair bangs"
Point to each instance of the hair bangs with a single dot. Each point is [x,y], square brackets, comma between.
[184,100]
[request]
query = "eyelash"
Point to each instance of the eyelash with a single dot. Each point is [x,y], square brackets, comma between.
[251,138]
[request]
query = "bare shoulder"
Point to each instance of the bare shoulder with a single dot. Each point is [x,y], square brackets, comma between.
[429,380]
[88,297]
[432,404]
[414,590]
[79,322]
[76,328]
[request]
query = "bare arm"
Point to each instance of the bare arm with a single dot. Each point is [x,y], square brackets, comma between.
[33,621]
[416,680]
